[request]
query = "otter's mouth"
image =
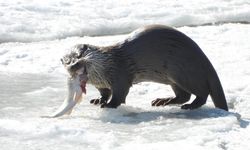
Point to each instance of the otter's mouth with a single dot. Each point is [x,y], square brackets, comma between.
[77,70]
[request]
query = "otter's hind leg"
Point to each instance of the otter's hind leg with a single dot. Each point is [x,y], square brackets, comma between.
[105,95]
[200,89]
[181,97]
[198,102]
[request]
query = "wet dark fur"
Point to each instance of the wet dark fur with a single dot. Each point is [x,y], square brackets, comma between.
[158,54]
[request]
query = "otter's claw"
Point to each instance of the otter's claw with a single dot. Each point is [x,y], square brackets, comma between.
[97,101]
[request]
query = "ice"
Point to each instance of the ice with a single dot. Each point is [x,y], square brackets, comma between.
[34,85]
[134,125]
[126,127]
[25,21]
[34,35]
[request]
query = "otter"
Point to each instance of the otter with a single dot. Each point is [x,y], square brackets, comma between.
[154,53]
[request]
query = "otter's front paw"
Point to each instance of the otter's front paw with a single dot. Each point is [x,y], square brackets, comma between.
[97,101]
[161,101]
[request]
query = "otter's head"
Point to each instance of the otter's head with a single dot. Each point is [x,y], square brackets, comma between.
[74,62]
[89,62]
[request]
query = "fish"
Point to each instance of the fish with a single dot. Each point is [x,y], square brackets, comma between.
[76,82]
[76,88]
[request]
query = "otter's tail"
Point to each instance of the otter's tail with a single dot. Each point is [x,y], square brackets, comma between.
[216,90]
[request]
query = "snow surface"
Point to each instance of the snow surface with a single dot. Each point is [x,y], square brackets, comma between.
[35,34]
[33,20]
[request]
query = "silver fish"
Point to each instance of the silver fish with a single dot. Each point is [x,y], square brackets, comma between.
[76,87]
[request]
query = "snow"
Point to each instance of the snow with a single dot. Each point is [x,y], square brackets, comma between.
[30,20]
[35,34]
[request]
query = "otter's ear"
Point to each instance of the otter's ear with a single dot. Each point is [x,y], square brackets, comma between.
[82,48]
[85,47]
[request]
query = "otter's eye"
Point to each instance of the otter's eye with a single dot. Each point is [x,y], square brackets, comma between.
[66,61]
